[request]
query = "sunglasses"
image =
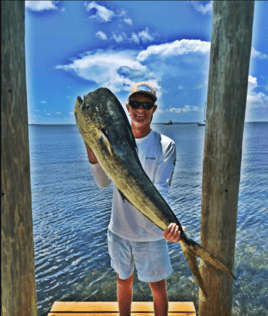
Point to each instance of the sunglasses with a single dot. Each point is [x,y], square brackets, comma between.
[147,105]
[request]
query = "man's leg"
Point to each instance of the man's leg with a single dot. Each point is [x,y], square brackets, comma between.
[124,295]
[159,292]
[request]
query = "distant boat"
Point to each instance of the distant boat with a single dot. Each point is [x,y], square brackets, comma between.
[203,123]
[168,123]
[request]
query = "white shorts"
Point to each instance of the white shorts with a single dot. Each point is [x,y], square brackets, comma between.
[151,258]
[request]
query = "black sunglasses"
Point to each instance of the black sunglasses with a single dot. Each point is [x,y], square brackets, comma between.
[147,105]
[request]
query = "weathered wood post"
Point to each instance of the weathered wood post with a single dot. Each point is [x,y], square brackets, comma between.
[226,103]
[17,252]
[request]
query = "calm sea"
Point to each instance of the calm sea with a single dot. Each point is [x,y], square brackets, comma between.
[71,215]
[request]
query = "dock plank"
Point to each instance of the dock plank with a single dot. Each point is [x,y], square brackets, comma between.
[117,314]
[111,309]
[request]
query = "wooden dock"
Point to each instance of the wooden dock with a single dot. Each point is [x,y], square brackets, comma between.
[111,309]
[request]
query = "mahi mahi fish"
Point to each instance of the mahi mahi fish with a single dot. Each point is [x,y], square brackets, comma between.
[104,126]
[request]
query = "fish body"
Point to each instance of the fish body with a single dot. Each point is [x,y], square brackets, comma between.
[104,126]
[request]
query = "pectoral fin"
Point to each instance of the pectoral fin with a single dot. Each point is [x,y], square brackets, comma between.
[123,197]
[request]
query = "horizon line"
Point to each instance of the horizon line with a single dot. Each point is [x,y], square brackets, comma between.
[151,123]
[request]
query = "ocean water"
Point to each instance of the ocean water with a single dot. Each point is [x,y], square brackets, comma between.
[71,215]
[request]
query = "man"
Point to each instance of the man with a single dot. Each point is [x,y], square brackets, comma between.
[132,238]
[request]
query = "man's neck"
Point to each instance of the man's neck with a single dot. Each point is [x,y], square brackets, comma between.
[140,131]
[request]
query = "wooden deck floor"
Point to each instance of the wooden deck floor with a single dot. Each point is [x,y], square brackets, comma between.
[111,309]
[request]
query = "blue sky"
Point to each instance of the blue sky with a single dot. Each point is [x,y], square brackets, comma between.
[74,47]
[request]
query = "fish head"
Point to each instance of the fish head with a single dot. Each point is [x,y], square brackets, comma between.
[100,110]
[89,114]
[101,118]
[97,109]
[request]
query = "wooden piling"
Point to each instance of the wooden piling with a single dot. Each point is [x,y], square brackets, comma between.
[17,252]
[226,103]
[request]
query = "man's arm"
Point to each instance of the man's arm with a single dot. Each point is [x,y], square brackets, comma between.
[165,169]
[100,176]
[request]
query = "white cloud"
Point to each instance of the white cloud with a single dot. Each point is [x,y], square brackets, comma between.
[257,54]
[58,113]
[40,5]
[258,100]
[134,38]
[128,21]
[252,82]
[103,67]
[122,13]
[48,113]
[175,48]
[118,70]
[255,99]
[200,86]
[118,37]
[101,35]
[186,108]
[145,35]
[204,9]
[43,102]
[102,14]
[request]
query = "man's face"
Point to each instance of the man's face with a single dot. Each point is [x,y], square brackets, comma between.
[140,115]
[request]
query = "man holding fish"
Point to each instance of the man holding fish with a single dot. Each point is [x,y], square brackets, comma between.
[132,237]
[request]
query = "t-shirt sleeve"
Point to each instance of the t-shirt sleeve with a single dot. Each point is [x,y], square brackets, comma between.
[165,169]
[100,176]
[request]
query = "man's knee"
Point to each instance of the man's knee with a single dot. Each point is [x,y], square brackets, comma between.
[127,281]
[158,286]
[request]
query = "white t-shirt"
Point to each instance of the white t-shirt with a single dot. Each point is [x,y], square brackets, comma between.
[157,154]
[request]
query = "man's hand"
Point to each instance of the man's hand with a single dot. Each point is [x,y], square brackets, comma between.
[172,233]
